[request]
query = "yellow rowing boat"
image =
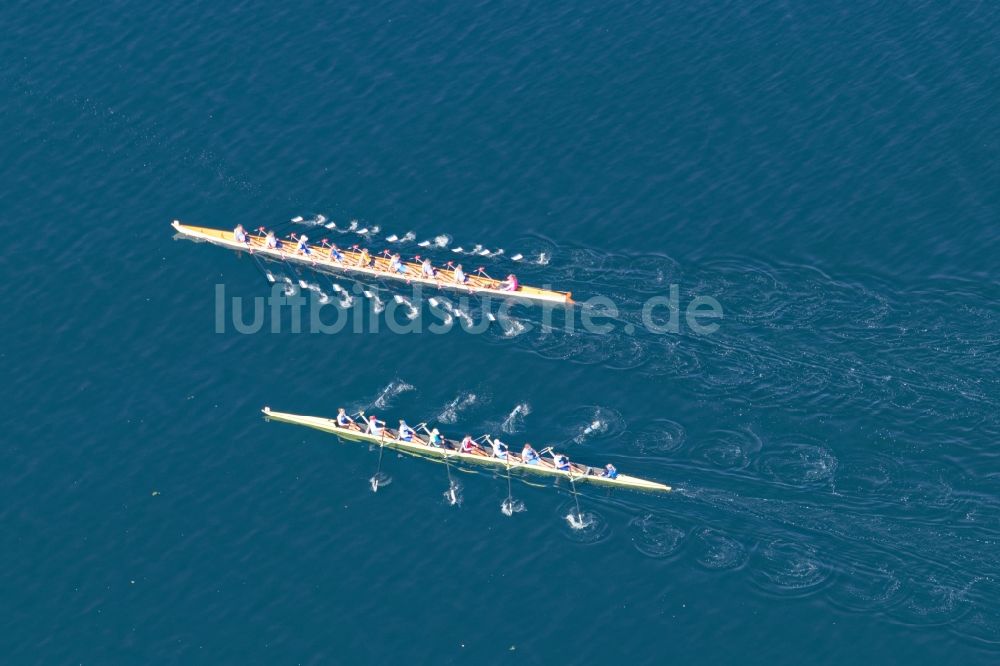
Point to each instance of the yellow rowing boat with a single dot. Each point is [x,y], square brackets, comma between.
[419,447]
[319,257]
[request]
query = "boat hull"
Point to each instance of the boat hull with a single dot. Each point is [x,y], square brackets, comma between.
[424,450]
[319,258]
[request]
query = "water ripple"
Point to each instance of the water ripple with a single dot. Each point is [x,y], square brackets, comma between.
[655,537]
[717,552]
[798,463]
[659,436]
[789,568]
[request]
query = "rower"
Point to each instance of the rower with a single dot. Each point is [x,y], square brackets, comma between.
[610,472]
[510,284]
[427,270]
[468,446]
[499,449]
[364,259]
[336,254]
[436,439]
[374,427]
[240,234]
[529,456]
[460,277]
[271,242]
[345,421]
[395,265]
[561,462]
[302,247]
[405,432]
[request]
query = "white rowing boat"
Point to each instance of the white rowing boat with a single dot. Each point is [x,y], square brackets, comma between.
[319,257]
[419,447]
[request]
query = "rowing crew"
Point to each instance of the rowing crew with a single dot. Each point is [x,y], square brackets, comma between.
[364,260]
[468,445]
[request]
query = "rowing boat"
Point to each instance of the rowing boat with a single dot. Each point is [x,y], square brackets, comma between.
[319,257]
[418,447]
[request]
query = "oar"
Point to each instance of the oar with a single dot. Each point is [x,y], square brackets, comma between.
[258,262]
[283,256]
[507,507]
[419,426]
[447,465]
[381,450]
[378,469]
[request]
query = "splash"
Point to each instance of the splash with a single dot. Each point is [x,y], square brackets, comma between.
[510,506]
[511,327]
[584,527]
[378,305]
[379,480]
[451,411]
[579,521]
[392,389]
[600,422]
[441,241]
[515,420]
[411,311]
[409,236]
[593,427]
[453,496]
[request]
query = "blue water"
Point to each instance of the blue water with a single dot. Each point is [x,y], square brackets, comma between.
[828,173]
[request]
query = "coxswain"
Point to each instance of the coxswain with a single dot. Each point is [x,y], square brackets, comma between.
[302,247]
[468,446]
[529,456]
[336,254]
[561,462]
[510,284]
[405,432]
[240,234]
[395,265]
[271,242]
[374,427]
[610,471]
[460,277]
[427,270]
[345,421]
[436,439]
[499,449]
